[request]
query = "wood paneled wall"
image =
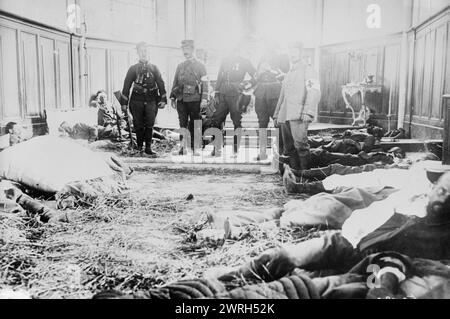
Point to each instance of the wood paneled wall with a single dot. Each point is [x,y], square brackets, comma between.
[43,69]
[39,70]
[429,76]
[351,62]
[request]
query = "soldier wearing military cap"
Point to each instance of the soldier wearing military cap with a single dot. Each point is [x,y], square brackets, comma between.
[189,93]
[229,86]
[147,95]
[297,108]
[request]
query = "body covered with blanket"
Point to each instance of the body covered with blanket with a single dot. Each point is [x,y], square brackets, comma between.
[62,168]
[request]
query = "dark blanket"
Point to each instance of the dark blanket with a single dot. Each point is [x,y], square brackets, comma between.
[292,287]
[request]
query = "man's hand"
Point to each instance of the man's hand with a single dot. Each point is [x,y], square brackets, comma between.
[274,264]
[270,265]
[162,105]
[203,104]
[173,103]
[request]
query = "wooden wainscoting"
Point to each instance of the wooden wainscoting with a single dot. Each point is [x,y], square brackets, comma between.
[42,68]
[429,77]
[351,62]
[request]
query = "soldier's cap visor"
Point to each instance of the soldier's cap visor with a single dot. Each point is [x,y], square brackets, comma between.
[187,44]
[141,44]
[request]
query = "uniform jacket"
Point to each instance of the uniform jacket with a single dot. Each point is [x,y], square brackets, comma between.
[232,73]
[190,83]
[106,115]
[151,80]
[300,95]
[271,68]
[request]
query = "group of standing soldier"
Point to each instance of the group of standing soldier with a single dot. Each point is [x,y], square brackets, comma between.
[286,89]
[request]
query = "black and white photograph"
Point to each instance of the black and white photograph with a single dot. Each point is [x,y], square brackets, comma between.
[229,152]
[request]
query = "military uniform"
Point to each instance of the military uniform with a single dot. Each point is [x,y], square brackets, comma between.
[229,86]
[296,108]
[230,83]
[190,87]
[269,75]
[106,115]
[148,91]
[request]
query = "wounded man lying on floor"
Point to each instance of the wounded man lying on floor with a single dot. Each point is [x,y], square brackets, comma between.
[379,189]
[312,181]
[397,256]
[60,169]
[91,133]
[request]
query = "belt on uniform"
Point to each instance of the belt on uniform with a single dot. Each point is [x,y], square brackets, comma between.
[269,82]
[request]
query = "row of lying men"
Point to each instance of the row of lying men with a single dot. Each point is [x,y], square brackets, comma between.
[352,152]
[395,244]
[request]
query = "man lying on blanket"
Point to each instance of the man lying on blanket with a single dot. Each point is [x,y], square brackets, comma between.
[420,229]
[310,181]
[340,196]
[395,255]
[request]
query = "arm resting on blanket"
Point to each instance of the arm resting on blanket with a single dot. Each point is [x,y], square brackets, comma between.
[331,250]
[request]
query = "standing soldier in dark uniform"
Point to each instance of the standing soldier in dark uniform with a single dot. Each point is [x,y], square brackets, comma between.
[270,74]
[230,84]
[189,93]
[147,95]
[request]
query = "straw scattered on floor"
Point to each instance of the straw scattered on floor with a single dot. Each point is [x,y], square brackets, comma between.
[138,240]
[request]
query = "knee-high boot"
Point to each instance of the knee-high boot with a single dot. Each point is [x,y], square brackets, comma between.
[140,138]
[294,162]
[304,159]
[292,187]
[148,138]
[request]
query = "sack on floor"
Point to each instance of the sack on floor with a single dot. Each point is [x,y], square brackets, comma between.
[48,163]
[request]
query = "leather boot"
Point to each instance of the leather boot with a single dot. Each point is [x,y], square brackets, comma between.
[292,187]
[139,139]
[294,162]
[305,160]
[235,144]
[311,188]
[148,142]
[313,173]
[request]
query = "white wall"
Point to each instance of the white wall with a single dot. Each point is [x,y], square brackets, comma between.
[50,12]
[285,20]
[345,20]
[155,21]
[124,20]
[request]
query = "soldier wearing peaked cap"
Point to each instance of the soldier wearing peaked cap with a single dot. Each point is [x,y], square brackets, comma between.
[148,94]
[189,93]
